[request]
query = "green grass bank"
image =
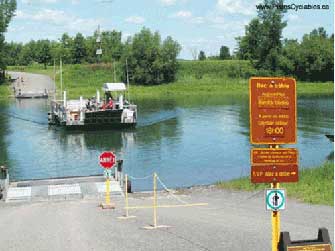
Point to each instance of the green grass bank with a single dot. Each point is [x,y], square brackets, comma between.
[315,186]
[194,78]
[5,91]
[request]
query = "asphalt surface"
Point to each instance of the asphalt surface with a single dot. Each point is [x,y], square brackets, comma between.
[29,82]
[231,221]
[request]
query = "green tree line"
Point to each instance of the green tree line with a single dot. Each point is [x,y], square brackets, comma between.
[149,59]
[311,59]
[7,10]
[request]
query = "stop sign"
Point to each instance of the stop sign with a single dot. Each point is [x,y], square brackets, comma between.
[107,160]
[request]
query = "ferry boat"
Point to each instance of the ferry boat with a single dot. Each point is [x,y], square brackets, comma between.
[113,111]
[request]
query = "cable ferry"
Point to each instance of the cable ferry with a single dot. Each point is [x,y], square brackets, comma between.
[113,111]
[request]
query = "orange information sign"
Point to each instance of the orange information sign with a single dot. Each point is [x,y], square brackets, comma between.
[274,173]
[315,247]
[274,156]
[272,110]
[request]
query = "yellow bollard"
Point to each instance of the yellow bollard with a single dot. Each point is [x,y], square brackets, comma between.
[155,200]
[126,194]
[108,204]
[275,220]
[126,201]
[154,206]
[108,200]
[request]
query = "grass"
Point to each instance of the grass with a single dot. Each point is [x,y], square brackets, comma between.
[316,185]
[86,79]
[5,91]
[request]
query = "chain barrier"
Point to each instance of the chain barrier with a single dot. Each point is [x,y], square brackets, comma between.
[139,178]
[169,191]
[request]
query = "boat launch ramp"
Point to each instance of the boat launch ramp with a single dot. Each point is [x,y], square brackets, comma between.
[71,188]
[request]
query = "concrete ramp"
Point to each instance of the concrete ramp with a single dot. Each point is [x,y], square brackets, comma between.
[62,189]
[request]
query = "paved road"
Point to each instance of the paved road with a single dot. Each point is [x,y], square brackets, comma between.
[232,221]
[29,82]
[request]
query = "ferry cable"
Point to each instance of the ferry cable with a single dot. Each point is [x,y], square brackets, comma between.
[27,120]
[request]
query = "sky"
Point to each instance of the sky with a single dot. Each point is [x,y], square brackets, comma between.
[196,24]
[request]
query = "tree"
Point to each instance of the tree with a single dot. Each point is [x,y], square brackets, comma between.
[43,52]
[149,60]
[78,49]
[7,10]
[316,58]
[64,51]
[28,53]
[170,51]
[194,53]
[271,43]
[13,51]
[250,44]
[224,53]
[202,55]
[262,41]
[111,45]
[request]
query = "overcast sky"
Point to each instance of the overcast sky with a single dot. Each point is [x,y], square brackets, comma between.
[196,24]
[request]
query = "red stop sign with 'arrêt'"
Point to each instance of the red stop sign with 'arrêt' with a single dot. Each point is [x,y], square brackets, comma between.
[107,160]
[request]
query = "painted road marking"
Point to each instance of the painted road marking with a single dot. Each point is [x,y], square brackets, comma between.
[18,192]
[114,187]
[64,189]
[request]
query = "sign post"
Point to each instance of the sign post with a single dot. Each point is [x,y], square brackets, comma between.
[273,119]
[107,161]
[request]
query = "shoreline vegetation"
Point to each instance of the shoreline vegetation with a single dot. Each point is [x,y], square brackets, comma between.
[5,90]
[315,186]
[194,78]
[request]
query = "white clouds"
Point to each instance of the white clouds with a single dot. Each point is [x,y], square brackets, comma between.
[188,16]
[236,7]
[168,2]
[135,20]
[39,1]
[60,18]
[183,14]
[292,17]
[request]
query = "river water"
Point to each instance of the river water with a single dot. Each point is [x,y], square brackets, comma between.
[189,141]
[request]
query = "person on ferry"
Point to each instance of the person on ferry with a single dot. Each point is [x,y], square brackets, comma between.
[110,103]
[88,104]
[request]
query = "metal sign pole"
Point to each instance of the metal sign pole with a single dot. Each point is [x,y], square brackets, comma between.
[275,219]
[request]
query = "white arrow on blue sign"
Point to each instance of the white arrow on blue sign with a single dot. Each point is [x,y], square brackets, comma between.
[275,199]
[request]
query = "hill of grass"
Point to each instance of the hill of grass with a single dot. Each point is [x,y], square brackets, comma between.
[219,78]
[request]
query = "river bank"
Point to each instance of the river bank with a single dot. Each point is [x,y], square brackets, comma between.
[5,90]
[86,79]
[315,186]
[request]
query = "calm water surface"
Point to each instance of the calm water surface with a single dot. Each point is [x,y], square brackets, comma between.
[190,141]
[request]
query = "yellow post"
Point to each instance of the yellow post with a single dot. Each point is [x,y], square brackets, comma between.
[275,220]
[275,224]
[126,195]
[108,201]
[155,200]
[126,216]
